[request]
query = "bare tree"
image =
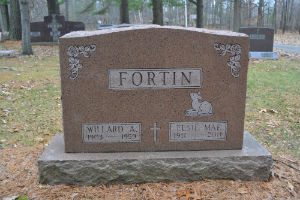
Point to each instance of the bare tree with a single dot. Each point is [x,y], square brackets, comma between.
[4,17]
[124,15]
[228,14]
[53,7]
[299,18]
[291,12]
[15,28]
[275,16]
[236,16]
[158,12]
[221,13]
[260,16]
[199,5]
[25,19]
[249,12]
[67,9]
[284,13]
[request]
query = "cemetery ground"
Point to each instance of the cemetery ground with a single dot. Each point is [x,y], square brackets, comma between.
[30,115]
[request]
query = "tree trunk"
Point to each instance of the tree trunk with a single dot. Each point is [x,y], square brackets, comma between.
[228,14]
[124,15]
[249,12]
[4,18]
[15,28]
[291,14]
[206,14]
[53,7]
[199,8]
[215,13]
[25,18]
[298,21]
[141,17]
[239,13]
[268,15]
[221,13]
[236,20]
[157,12]
[284,16]
[199,14]
[67,10]
[275,16]
[260,21]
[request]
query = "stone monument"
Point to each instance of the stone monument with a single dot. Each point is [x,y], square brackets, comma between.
[52,28]
[151,103]
[261,42]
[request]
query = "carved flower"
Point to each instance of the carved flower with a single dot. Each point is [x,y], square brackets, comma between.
[81,49]
[74,62]
[92,47]
[86,51]
[73,51]
[236,49]
[234,61]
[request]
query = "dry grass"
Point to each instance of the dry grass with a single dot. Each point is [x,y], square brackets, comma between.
[290,38]
[19,176]
[30,114]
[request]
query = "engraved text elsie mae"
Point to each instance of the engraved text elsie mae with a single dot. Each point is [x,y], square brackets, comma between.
[197,131]
[127,79]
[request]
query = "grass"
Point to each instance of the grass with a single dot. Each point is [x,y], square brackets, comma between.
[30,107]
[273,102]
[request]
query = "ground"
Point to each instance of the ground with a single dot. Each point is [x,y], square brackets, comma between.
[30,115]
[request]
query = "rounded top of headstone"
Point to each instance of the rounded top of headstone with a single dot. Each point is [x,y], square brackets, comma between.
[114,29]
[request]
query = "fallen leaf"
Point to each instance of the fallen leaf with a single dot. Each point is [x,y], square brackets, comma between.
[11,198]
[39,139]
[14,130]
[272,111]
[263,111]
[242,190]
[268,111]
[6,93]
[291,189]
[74,195]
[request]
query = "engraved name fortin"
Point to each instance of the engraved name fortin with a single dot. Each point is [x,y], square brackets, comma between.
[129,79]
[111,132]
[197,131]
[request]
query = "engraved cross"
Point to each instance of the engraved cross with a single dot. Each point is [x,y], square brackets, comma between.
[155,129]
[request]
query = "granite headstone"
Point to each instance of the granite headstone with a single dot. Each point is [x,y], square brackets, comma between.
[137,100]
[52,28]
[149,88]
[261,42]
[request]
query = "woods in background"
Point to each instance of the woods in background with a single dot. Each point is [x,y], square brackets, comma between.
[216,14]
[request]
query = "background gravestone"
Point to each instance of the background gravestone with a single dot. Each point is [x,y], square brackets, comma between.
[52,28]
[261,39]
[261,42]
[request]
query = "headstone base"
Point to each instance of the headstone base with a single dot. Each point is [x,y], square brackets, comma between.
[264,55]
[55,166]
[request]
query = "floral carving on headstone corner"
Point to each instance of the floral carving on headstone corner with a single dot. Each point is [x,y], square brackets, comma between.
[234,60]
[74,63]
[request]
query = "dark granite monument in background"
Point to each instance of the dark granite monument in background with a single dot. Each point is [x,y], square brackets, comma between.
[52,28]
[261,42]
